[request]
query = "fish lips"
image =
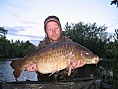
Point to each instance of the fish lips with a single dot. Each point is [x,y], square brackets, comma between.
[95,60]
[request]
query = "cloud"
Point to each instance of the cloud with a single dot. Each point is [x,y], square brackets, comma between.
[15,31]
[14,15]
[28,22]
[16,4]
[30,36]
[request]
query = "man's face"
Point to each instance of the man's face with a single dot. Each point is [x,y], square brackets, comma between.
[53,31]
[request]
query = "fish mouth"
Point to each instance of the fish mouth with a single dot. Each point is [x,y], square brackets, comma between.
[95,60]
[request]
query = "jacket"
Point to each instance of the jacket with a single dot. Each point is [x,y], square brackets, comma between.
[56,76]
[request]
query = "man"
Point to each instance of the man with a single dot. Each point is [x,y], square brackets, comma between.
[53,30]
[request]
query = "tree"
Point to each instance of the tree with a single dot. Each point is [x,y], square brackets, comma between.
[28,47]
[114,2]
[89,35]
[4,47]
[112,47]
[116,35]
[3,31]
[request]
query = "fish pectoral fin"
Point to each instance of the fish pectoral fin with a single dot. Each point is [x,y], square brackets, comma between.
[70,68]
[53,73]
[17,73]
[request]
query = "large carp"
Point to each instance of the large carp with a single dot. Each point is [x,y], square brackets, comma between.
[53,58]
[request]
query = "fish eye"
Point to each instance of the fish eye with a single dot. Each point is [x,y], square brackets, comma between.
[87,53]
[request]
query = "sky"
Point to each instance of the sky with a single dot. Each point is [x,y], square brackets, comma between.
[24,19]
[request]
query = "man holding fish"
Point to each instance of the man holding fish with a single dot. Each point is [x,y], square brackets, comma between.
[53,30]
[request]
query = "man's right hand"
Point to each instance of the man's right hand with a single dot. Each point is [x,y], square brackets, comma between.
[31,68]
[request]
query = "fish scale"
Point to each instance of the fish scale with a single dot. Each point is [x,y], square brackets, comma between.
[54,57]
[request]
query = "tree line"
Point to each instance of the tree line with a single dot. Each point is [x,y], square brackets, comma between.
[11,49]
[95,38]
[98,40]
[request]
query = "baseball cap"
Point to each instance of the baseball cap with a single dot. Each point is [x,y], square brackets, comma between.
[51,18]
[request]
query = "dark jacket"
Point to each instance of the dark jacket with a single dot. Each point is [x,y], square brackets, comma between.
[56,76]
[46,41]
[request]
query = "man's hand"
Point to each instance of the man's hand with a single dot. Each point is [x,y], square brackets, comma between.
[75,65]
[31,68]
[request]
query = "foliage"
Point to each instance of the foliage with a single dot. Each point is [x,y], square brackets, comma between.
[88,35]
[108,70]
[97,40]
[3,32]
[116,35]
[115,2]
[112,47]
[14,49]
[4,47]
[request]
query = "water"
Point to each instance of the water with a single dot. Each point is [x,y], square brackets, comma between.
[107,68]
[6,73]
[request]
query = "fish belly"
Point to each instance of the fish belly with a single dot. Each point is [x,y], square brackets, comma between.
[52,67]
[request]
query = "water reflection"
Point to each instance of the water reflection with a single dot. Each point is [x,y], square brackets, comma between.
[6,73]
[108,71]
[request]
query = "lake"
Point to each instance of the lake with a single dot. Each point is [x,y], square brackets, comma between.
[106,68]
[6,73]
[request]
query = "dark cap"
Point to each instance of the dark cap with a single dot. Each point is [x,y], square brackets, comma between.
[51,18]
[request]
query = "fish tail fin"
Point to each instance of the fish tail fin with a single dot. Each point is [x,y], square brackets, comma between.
[17,72]
[16,64]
